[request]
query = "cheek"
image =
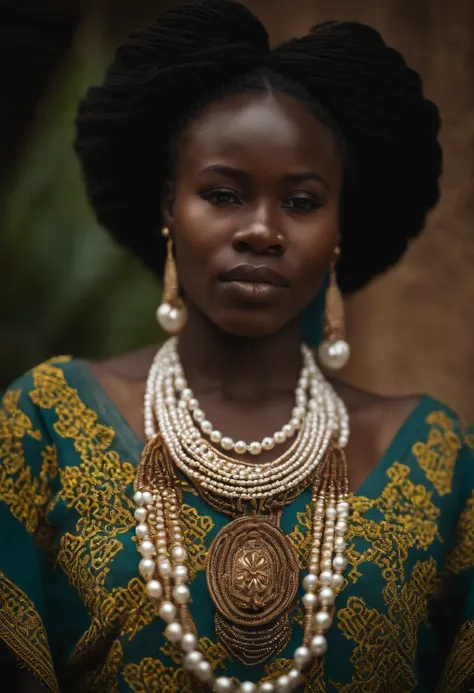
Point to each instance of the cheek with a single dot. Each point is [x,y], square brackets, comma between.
[195,236]
[316,244]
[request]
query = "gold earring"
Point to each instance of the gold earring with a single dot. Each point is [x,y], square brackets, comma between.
[334,351]
[171,314]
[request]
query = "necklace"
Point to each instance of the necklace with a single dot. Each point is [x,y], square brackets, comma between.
[244,552]
[241,447]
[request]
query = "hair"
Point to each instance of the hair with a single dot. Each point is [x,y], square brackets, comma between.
[201,51]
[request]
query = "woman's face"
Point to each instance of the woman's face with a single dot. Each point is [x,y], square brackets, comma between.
[254,211]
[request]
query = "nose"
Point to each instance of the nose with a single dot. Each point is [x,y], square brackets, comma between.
[260,235]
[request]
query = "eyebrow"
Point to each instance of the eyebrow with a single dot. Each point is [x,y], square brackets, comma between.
[237,174]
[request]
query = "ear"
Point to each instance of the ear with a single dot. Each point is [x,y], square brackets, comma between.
[167,204]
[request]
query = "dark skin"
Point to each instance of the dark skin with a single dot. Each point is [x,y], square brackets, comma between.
[242,356]
[276,203]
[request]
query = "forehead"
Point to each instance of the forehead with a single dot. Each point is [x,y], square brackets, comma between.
[269,129]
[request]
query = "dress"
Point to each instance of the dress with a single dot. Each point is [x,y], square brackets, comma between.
[73,607]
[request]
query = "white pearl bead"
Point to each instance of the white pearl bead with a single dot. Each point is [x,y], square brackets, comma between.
[302,656]
[331,513]
[154,589]
[180,383]
[279,437]
[203,671]
[309,600]
[334,355]
[319,645]
[288,430]
[240,447]
[339,563]
[140,514]
[326,596]
[170,318]
[181,572]
[146,568]
[323,620]
[283,684]
[192,659]
[295,678]
[181,594]
[188,642]
[341,528]
[268,443]
[255,448]
[179,554]
[193,404]
[198,415]
[223,685]
[187,394]
[167,611]
[141,530]
[310,582]
[343,507]
[138,498]
[206,427]
[266,687]
[147,498]
[337,581]
[325,577]
[227,443]
[247,687]
[146,548]
[339,544]
[173,632]
[164,568]
[216,436]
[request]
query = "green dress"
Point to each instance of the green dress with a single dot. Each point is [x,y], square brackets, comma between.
[73,607]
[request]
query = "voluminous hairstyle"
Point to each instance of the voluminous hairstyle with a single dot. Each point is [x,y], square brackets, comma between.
[206,49]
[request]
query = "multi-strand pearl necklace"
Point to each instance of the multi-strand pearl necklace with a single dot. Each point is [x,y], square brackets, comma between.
[158,530]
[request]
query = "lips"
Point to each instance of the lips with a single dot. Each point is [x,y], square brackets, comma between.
[254,274]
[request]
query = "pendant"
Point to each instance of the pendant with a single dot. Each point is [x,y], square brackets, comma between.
[252,576]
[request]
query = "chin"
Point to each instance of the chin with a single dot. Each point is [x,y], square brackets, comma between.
[254,327]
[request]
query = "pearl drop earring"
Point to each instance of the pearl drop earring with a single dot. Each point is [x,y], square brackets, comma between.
[171,314]
[334,351]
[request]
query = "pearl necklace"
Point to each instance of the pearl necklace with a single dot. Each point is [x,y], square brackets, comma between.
[241,447]
[160,540]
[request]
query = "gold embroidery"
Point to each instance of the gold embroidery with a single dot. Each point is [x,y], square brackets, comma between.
[14,426]
[383,660]
[462,554]
[437,457]
[459,669]
[21,628]
[25,495]
[300,537]
[409,519]
[195,530]
[151,675]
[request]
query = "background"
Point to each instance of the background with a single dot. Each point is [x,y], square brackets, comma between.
[65,288]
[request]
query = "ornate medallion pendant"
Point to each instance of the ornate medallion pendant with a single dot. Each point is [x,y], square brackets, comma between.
[252,575]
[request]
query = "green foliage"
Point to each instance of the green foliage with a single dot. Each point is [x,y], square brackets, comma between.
[66,288]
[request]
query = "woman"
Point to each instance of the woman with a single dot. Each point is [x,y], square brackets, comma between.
[148,549]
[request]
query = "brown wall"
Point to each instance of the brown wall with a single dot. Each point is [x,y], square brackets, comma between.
[413,329]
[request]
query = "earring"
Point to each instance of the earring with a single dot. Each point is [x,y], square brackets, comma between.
[334,351]
[171,314]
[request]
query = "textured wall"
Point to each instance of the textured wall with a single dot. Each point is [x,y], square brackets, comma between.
[413,329]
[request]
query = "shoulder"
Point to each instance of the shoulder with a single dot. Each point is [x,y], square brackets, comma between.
[27,405]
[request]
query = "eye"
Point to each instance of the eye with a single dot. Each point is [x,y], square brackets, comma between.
[302,203]
[222,196]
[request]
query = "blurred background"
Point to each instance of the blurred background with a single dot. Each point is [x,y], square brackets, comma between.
[66,289]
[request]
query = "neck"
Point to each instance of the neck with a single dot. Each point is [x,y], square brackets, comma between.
[239,368]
